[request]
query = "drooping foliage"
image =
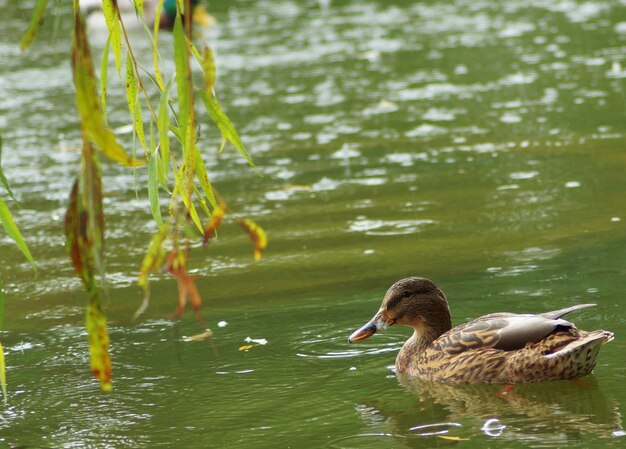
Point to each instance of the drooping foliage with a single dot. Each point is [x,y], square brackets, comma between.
[171,156]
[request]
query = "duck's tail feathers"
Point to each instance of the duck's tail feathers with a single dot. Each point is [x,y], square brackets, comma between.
[555,314]
[585,349]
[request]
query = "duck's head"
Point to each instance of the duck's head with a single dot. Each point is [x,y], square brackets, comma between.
[415,302]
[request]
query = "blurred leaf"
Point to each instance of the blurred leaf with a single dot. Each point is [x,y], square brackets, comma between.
[258,236]
[3,179]
[224,124]
[35,24]
[1,305]
[109,8]
[98,338]
[214,223]
[155,46]
[200,337]
[450,438]
[104,75]
[3,375]
[139,7]
[88,101]
[9,225]
[153,188]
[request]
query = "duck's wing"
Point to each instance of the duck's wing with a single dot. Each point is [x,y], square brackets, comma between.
[505,331]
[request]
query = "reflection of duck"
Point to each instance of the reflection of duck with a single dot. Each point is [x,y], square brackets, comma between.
[545,411]
[495,348]
[90,8]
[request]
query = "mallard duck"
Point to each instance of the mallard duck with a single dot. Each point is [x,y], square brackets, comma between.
[90,8]
[496,348]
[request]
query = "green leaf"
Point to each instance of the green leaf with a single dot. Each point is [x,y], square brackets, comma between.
[224,124]
[109,8]
[35,23]
[203,177]
[163,124]
[183,78]
[153,188]
[9,225]
[104,71]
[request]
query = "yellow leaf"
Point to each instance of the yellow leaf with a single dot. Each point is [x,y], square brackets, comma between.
[214,222]
[98,337]
[449,438]
[88,101]
[3,374]
[245,347]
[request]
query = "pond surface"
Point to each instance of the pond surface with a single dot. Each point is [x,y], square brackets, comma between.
[477,143]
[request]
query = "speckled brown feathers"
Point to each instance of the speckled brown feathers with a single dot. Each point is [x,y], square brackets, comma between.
[496,348]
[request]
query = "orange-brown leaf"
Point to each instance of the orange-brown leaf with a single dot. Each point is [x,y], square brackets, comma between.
[258,236]
[214,223]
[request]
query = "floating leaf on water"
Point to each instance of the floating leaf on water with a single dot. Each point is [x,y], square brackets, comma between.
[258,236]
[3,374]
[450,438]
[245,347]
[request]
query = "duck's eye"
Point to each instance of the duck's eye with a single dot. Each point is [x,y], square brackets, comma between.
[406,294]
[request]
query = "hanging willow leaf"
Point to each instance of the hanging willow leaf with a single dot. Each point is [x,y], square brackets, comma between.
[9,225]
[84,233]
[109,8]
[163,125]
[183,79]
[155,46]
[207,63]
[258,236]
[153,187]
[35,24]
[203,177]
[132,97]
[98,338]
[224,124]
[88,102]
[214,223]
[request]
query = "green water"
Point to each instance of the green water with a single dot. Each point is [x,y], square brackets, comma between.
[480,144]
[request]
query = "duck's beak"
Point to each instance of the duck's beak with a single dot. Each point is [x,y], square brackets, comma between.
[374,325]
[202,17]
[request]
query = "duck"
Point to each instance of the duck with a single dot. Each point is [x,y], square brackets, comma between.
[500,348]
[95,21]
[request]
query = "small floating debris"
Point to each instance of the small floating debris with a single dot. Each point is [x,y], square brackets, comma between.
[252,342]
[208,333]
[222,324]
